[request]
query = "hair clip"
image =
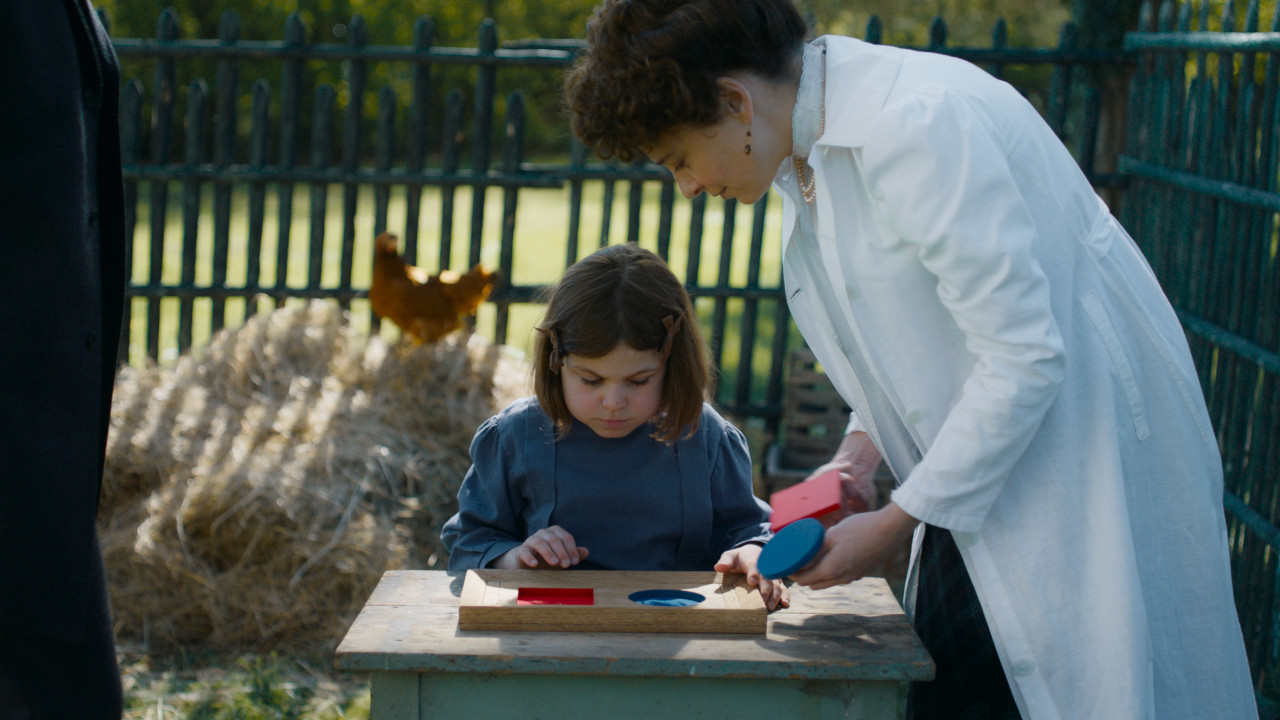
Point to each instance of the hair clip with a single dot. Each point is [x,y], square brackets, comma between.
[672,324]
[555,360]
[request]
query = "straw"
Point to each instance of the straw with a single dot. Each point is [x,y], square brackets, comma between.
[255,494]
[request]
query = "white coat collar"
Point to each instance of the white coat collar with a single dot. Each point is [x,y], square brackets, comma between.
[859,77]
[806,117]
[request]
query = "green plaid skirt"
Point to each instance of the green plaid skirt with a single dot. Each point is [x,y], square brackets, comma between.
[969,684]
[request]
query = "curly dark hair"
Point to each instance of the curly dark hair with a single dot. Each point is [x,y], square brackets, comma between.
[621,294]
[652,65]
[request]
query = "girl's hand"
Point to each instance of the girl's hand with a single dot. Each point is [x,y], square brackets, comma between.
[550,547]
[743,560]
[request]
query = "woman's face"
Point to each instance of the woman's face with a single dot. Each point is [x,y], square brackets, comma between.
[713,159]
[616,393]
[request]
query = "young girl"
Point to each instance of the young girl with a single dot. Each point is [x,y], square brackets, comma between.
[618,463]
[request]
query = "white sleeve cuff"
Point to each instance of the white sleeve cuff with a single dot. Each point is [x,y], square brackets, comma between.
[922,509]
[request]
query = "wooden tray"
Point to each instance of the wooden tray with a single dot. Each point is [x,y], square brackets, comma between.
[599,601]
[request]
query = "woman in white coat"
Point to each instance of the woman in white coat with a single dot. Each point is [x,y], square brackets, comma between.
[1002,341]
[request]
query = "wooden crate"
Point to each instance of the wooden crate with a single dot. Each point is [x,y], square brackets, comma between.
[814,417]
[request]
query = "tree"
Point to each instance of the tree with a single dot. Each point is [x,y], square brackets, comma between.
[1102,25]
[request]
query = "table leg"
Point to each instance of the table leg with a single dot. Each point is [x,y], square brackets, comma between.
[394,696]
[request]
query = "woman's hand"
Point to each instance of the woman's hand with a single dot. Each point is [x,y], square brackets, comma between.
[856,546]
[550,547]
[743,560]
[856,460]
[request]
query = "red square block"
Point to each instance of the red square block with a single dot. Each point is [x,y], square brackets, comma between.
[817,498]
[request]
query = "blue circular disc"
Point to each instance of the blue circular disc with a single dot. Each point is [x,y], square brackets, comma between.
[791,549]
[666,598]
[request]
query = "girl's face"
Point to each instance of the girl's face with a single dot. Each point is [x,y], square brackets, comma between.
[616,393]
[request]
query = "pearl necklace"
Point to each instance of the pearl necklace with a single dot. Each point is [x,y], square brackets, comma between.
[807,188]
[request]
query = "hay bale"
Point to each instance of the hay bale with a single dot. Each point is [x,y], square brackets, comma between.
[254,495]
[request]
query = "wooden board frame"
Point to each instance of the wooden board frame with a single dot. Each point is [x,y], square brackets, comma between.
[488,602]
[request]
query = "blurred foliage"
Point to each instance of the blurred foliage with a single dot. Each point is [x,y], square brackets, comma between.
[391,22]
[1029,23]
[386,22]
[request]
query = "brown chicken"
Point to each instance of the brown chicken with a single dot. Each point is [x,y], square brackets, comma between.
[426,307]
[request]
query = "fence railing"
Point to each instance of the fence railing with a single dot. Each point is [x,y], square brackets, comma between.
[216,198]
[1203,204]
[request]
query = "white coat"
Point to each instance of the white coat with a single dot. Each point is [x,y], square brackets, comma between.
[1012,355]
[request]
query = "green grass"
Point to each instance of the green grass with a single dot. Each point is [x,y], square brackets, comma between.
[245,687]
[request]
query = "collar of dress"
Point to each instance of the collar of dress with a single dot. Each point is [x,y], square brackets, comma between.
[806,117]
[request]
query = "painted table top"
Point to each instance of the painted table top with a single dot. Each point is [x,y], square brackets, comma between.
[853,632]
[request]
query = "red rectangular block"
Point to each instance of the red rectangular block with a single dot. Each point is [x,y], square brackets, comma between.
[816,498]
[555,596]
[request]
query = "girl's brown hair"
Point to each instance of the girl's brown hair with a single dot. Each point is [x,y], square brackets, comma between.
[622,294]
[651,66]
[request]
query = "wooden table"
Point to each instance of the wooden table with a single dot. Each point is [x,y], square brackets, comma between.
[835,653]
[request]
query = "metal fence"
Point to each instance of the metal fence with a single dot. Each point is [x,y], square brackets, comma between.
[1203,205]
[191,152]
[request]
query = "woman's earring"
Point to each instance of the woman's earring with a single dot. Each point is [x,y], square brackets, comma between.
[748,141]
